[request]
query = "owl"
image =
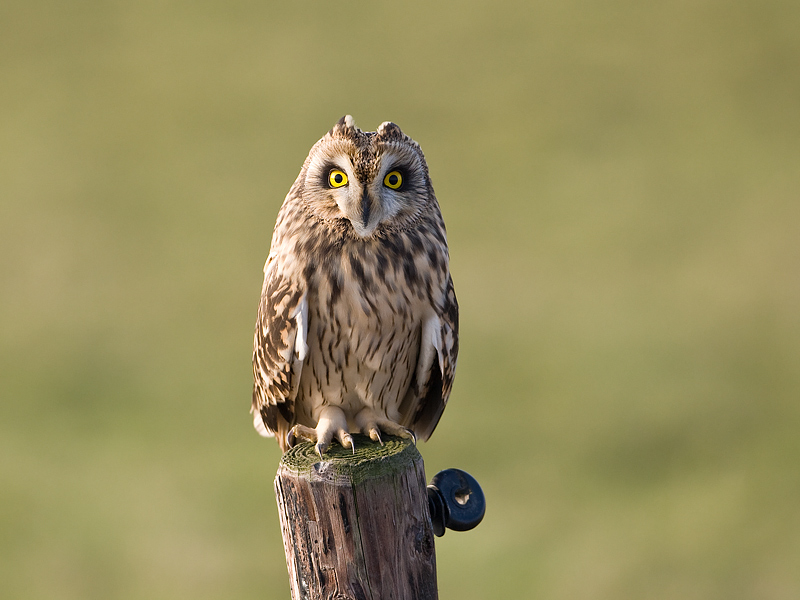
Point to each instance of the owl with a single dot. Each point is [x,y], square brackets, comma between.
[357,328]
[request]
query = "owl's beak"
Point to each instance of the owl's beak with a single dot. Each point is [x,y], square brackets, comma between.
[362,212]
[366,204]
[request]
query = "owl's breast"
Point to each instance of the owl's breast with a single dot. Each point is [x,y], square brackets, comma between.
[363,335]
[365,311]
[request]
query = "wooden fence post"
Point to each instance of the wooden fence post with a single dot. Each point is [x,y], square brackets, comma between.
[357,525]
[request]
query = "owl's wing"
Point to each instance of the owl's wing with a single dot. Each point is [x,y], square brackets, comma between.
[279,348]
[436,366]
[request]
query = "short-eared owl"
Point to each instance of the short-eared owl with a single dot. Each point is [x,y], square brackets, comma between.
[357,327]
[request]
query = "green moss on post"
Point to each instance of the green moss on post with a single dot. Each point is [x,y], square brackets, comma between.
[369,459]
[356,525]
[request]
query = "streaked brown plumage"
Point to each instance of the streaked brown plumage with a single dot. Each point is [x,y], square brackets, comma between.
[357,327]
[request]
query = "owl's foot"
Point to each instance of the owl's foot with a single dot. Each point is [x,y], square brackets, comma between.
[372,424]
[332,423]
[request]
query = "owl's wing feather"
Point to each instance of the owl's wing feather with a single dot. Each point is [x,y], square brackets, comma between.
[279,348]
[436,366]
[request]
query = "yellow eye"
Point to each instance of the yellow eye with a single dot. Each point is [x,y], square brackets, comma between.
[337,178]
[393,180]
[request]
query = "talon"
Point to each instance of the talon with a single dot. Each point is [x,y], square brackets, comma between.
[375,435]
[320,448]
[373,424]
[347,441]
[301,432]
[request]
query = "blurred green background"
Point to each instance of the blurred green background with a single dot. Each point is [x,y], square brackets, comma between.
[620,183]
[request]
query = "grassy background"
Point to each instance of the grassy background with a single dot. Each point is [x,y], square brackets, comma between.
[620,182]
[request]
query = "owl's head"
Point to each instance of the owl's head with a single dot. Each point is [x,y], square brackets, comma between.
[376,180]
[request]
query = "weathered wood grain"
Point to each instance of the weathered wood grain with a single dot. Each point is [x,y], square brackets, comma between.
[357,526]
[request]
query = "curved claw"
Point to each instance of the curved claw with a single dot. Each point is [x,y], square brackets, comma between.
[291,438]
[375,435]
[347,441]
[320,448]
[413,436]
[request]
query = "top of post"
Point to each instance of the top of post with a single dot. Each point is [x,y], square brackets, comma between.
[343,466]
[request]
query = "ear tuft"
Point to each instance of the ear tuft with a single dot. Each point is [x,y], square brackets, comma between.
[342,125]
[388,130]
